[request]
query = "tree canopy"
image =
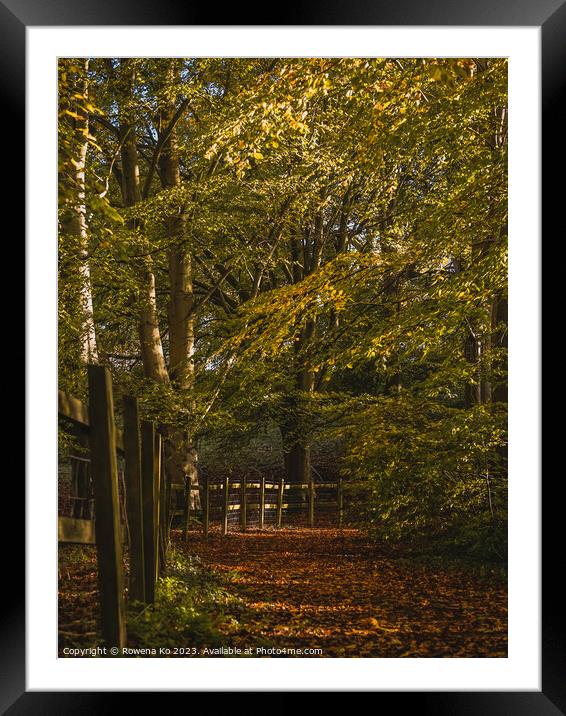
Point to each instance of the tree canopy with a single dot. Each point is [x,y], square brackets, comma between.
[299,264]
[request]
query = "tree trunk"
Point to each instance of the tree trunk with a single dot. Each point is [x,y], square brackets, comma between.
[296,445]
[148,326]
[478,345]
[499,341]
[74,222]
[183,457]
[472,389]
[390,288]
[478,342]
[149,334]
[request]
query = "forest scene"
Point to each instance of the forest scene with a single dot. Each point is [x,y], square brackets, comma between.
[282,356]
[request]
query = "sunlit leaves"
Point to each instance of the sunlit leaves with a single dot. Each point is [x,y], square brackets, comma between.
[364,198]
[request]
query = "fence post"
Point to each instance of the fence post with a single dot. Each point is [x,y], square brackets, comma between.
[340,502]
[311,501]
[107,525]
[165,517]
[206,506]
[159,507]
[280,502]
[188,508]
[262,502]
[132,450]
[243,504]
[226,505]
[148,504]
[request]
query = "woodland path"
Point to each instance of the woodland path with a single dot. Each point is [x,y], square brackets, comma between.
[334,589]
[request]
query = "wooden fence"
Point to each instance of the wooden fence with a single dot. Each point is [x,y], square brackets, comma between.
[253,498]
[147,504]
[141,447]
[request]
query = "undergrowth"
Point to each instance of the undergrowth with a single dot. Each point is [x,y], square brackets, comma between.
[191,609]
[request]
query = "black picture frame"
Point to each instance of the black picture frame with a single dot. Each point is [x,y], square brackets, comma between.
[550,15]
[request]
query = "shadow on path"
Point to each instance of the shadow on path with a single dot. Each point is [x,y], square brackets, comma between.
[335,590]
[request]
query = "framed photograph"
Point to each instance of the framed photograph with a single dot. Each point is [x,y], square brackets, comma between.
[270,274]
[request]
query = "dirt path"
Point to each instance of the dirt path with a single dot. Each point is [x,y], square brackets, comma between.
[334,590]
